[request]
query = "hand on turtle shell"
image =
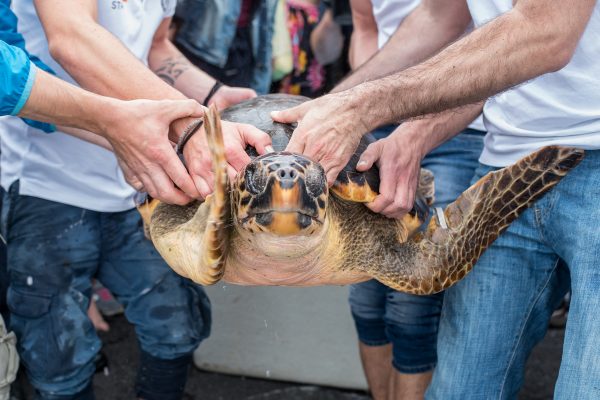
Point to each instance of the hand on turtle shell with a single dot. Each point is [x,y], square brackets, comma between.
[227,96]
[399,162]
[138,133]
[236,137]
[328,131]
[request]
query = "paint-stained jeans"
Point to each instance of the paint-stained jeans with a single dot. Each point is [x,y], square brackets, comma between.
[493,318]
[383,315]
[54,250]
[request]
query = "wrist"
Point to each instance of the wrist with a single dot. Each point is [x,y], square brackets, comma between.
[360,102]
[178,127]
[104,112]
[416,136]
[212,92]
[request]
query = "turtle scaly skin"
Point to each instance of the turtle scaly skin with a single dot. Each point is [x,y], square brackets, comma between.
[279,224]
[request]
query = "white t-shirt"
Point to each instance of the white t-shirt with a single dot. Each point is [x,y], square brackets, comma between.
[557,108]
[57,166]
[389,14]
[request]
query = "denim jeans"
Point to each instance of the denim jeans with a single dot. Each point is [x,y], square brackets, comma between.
[3,275]
[54,250]
[493,318]
[410,322]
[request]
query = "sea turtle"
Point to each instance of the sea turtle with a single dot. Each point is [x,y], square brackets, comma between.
[279,224]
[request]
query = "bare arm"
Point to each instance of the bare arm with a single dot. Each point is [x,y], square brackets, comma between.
[430,27]
[491,59]
[363,42]
[488,60]
[171,66]
[96,59]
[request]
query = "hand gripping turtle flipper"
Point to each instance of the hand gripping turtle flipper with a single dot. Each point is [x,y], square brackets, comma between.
[193,239]
[439,257]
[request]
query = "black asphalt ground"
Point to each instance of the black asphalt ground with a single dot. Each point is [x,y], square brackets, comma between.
[121,348]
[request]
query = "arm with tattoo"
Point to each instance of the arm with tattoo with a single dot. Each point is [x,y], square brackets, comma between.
[100,62]
[171,66]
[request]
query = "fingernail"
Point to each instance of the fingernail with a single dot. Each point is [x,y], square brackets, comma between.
[361,162]
[269,149]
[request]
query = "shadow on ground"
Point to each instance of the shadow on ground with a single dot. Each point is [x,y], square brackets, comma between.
[121,349]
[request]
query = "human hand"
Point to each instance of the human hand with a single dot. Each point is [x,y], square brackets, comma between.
[235,137]
[329,131]
[399,160]
[227,96]
[138,133]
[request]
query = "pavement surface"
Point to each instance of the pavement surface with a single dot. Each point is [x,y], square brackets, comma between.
[121,349]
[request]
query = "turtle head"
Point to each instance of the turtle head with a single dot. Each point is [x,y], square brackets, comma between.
[281,193]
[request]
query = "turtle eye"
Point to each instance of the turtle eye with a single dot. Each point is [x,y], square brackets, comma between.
[315,182]
[255,180]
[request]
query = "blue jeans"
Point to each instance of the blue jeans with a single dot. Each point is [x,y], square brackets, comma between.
[383,315]
[3,275]
[493,318]
[54,250]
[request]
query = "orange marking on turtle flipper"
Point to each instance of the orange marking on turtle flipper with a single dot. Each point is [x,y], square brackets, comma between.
[355,192]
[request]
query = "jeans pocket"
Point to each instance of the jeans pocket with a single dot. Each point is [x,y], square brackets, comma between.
[28,305]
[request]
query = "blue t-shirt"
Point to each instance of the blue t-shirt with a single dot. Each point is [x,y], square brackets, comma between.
[18,68]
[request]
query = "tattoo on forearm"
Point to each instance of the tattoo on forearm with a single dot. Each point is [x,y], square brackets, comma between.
[172,68]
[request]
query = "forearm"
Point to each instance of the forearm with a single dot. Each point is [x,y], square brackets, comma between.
[171,66]
[88,136]
[362,47]
[82,51]
[489,60]
[363,42]
[58,102]
[423,33]
[77,112]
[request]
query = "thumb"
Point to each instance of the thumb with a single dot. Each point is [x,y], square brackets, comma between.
[369,156]
[176,109]
[256,138]
[290,115]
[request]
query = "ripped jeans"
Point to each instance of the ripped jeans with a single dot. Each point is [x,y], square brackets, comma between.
[54,250]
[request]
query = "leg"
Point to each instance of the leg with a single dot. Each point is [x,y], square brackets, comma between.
[52,255]
[3,269]
[367,305]
[453,165]
[492,319]
[411,324]
[171,314]
[572,228]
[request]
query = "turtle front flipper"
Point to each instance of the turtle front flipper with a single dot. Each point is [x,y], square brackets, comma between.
[442,255]
[193,239]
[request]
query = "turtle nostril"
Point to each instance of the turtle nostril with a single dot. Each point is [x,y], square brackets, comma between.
[287,174]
